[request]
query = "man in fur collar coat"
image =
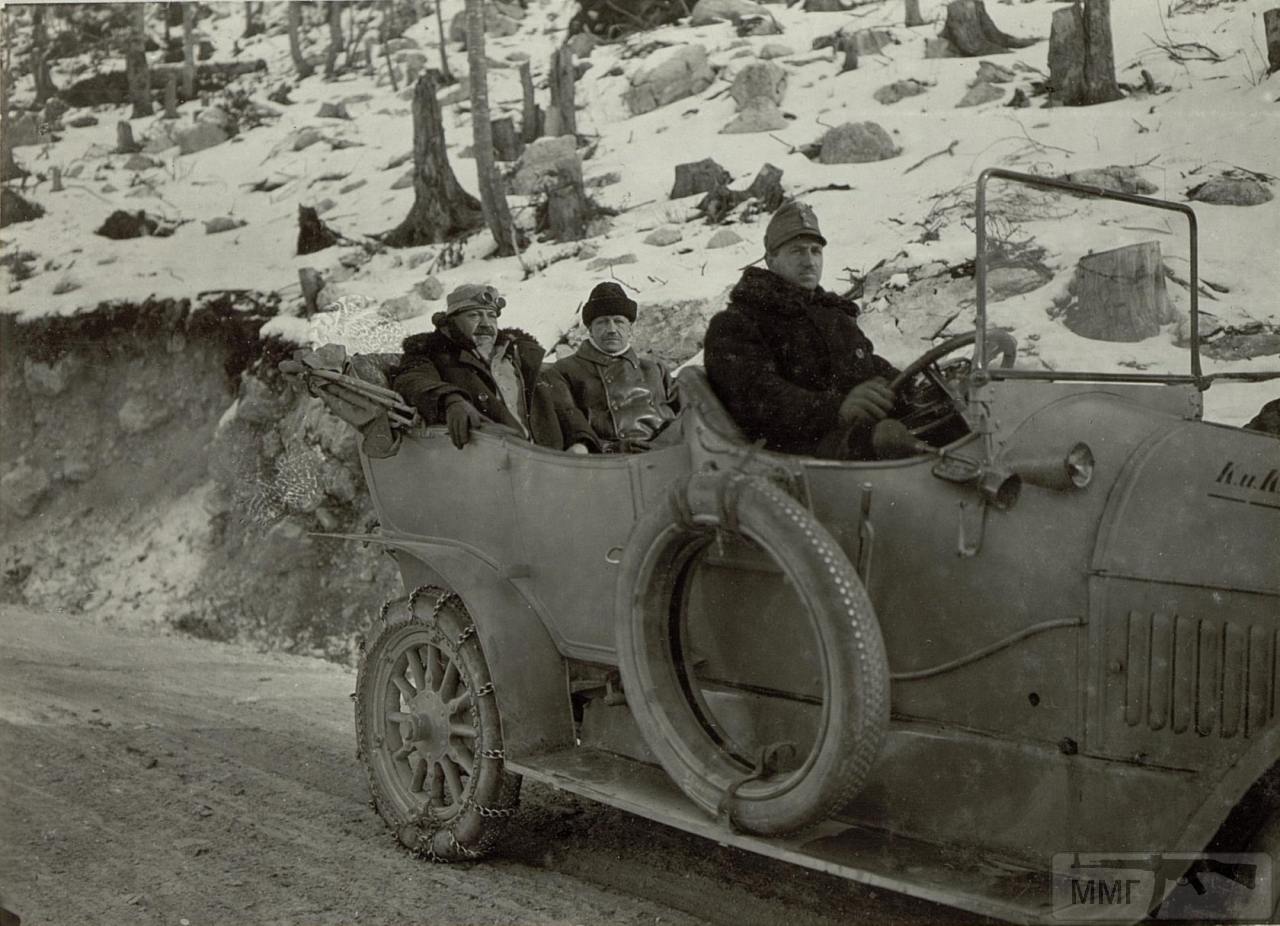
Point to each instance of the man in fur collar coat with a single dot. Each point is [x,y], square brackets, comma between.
[624,399]
[787,358]
[468,371]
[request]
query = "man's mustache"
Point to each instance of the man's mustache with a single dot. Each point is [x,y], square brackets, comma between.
[482,330]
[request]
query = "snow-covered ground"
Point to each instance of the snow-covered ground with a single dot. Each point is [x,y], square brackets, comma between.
[1217,114]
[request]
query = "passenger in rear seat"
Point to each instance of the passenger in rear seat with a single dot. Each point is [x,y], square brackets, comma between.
[469,371]
[623,399]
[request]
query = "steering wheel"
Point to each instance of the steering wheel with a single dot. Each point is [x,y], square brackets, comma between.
[937,402]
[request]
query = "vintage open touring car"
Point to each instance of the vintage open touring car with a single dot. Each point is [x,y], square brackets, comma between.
[1045,626]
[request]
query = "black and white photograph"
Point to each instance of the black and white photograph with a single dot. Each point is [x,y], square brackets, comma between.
[681,462]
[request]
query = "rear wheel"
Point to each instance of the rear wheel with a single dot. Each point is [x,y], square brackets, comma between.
[428,730]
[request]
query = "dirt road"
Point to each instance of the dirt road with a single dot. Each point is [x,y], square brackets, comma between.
[170,780]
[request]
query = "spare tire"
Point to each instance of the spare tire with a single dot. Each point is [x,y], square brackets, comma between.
[852,667]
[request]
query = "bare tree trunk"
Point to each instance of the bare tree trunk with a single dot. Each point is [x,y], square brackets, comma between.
[492,197]
[9,168]
[39,48]
[1082,68]
[139,77]
[444,37]
[913,17]
[531,119]
[1120,294]
[300,63]
[171,96]
[252,26]
[1271,27]
[335,39]
[562,117]
[189,50]
[441,207]
[567,206]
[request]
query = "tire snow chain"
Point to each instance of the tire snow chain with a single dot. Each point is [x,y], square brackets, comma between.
[423,590]
[425,819]
[386,609]
[488,811]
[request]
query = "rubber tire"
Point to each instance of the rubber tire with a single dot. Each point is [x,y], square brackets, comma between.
[854,669]
[491,794]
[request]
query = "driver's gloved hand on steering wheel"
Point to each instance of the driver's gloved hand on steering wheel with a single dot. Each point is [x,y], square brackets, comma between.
[869,402]
[461,416]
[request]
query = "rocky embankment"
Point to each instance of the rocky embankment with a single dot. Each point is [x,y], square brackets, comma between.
[157,469]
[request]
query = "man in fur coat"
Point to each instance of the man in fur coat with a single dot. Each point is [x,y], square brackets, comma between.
[787,358]
[623,399]
[467,372]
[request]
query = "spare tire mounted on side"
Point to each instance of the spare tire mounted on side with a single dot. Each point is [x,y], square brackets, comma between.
[852,666]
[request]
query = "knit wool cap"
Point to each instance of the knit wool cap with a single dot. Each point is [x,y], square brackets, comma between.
[608,299]
[792,220]
[469,296]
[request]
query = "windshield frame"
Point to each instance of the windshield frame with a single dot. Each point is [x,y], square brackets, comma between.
[987,371]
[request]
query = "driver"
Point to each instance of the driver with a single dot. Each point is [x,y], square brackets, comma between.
[787,358]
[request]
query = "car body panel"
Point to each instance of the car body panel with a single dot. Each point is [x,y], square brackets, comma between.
[1086,665]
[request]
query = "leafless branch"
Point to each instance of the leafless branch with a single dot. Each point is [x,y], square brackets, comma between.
[949,150]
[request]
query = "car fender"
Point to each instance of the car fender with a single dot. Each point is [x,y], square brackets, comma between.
[526,668]
[1228,791]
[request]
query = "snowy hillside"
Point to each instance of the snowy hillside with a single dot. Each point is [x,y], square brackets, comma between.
[1214,112]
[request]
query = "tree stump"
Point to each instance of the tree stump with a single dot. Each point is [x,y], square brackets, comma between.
[311,281]
[568,208]
[850,49]
[124,139]
[441,209]
[13,208]
[913,17]
[1271,26]
[531,118]
[698,177]
[1120,294]
[55,177]
[970,31]
[766,188]
[1082,68]
[506,143]
[562,117]
[313,234]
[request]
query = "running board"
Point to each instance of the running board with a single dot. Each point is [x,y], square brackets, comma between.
[954,878]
